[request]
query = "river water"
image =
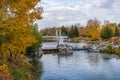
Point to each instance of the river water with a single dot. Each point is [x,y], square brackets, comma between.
[81,65]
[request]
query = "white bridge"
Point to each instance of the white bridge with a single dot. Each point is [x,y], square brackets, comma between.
[54,37]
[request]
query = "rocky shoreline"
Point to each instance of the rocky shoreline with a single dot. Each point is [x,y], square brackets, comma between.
[103,47]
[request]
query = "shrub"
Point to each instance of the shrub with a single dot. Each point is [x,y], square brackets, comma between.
[4,73]
[106,33]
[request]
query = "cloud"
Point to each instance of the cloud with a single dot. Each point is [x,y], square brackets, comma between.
[66,12]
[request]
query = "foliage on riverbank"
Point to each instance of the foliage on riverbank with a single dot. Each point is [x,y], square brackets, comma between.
[37,69]
[93,30]
[111,50]
[17,34]
[34,47]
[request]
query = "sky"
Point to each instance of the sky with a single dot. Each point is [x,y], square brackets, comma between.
[66,12]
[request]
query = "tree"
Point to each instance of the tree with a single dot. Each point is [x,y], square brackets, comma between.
[96,34]
[5,73]
[92,28]
[16,20]
[15,26]
[32,49]
[64,31]
[76,32]
[116,32]
[106,33]
[71,35]
[119,25]
[112,26]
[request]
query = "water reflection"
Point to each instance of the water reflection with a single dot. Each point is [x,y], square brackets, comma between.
[60,57]
[80,66]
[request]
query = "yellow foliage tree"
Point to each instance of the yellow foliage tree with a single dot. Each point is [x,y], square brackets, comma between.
[93,29]
[95,34]
[4,73]
[16,18]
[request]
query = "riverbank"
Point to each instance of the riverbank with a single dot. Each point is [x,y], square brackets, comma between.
[104,47]
[22,69]
[111,46]
[90,46]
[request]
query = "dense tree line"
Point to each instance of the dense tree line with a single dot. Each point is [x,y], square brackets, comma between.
[65,31]
[93,30]
[73,32]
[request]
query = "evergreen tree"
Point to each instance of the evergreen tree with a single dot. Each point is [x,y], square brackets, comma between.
[116,32]
[73,32]
[76,32]
[64,31]
[71,35]
[106,33]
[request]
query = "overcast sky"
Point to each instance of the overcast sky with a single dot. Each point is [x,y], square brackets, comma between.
[66,12]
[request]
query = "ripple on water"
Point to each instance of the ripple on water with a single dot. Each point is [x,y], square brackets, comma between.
[80,66]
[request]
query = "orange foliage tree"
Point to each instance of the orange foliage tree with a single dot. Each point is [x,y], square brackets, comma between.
[16,18]
[4,73]
[93,29]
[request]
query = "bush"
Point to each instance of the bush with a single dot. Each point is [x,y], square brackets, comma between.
[32,49]
[4,73]
[109,47]
[106,33]
[117,51]
[21,69]
[37,69]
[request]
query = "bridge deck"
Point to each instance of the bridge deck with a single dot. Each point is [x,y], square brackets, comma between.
[53,47]
[49,47]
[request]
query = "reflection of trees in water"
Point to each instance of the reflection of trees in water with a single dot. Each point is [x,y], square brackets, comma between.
[37,68]
[60,57]
[95,58]
[106,57]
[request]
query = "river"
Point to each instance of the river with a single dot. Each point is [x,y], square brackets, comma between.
[81,65]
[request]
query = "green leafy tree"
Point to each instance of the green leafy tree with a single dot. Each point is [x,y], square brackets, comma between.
[32,49]
[116,32]
[106,33]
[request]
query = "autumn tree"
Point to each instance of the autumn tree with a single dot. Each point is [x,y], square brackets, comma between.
[82,32]
[15,26]
[48,31]
[93,29]
[5,73]
[44,32]
[16,19]
[119,25]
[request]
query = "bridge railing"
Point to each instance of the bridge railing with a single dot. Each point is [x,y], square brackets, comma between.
[54,36]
